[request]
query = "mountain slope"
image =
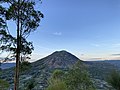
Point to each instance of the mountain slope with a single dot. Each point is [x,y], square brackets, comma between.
[59,59]
[41,70]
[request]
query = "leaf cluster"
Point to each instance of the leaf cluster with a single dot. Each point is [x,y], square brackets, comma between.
[4,85]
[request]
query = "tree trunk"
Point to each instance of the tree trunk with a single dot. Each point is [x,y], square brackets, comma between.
[16,82]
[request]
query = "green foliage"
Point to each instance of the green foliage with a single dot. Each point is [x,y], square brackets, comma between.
[30,85]
[25,65]
[0,71]
[4,85]
[56,81]
[58,74]
[114,79]
[77,79]
[57,84]
[26,18]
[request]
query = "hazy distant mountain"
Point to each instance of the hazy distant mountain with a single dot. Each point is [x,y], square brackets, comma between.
[100,69]
[7,65]
[114,62]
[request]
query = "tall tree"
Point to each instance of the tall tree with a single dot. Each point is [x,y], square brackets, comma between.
[27,19]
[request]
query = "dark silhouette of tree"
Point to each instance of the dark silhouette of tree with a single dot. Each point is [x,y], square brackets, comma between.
[27,19]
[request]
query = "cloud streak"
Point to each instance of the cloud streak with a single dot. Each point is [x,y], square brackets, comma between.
[57,33]
[96,58]
[115,54]
[95,45]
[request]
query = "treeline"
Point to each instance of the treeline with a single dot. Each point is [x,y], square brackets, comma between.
[77,78]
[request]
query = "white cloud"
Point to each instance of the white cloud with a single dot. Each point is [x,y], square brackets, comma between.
[95,45]
[57,33]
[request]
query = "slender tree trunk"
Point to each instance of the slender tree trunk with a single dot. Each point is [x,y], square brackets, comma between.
[16,82]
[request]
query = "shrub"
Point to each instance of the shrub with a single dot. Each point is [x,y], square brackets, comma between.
[57,84]
[4,85]
[30,85]
[114,79]
[77,79]
[56,81]
[58,74]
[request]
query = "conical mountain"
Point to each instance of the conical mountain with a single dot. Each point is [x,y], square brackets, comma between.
[59,59]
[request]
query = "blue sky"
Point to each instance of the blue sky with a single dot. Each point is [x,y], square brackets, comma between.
[90,29]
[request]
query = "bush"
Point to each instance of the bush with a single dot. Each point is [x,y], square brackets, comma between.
[77,79]
[114,79]
[57,84]
[30,85]
[58,74]
[4,85]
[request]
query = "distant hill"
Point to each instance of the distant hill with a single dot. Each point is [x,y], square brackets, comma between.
[100,69]
[7,65]
[114,62]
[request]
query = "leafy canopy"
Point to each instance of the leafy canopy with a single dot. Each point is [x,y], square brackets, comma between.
[29,19]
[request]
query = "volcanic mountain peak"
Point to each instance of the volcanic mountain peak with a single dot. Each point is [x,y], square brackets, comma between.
[60,59]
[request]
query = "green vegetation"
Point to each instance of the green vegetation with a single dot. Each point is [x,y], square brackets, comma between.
[114,79]
[4,85]
[58,74]
[56,81]
[75,79]
[57,84]
[25,65]
[30,85]
[78,79]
